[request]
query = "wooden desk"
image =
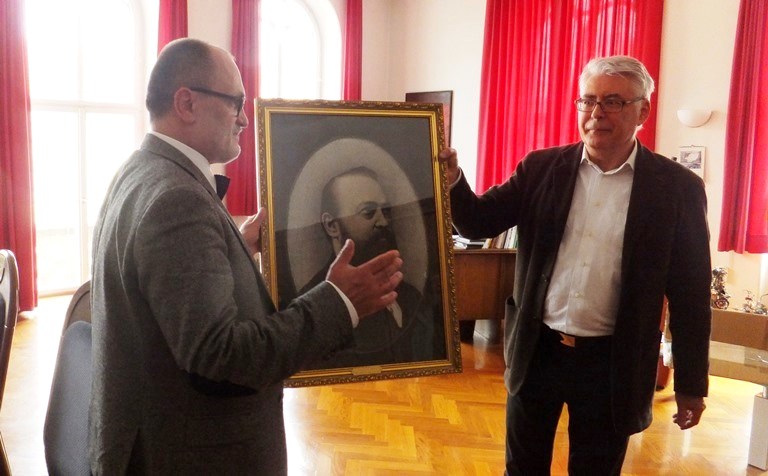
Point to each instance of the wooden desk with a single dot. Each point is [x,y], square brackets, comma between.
[484,279]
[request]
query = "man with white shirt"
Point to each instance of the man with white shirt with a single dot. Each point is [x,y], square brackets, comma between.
[607,229]
[189,352]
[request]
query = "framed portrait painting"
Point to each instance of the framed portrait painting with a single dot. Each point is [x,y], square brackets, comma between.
[332,170]
[439,97]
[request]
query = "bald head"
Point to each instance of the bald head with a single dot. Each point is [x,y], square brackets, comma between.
[183,62]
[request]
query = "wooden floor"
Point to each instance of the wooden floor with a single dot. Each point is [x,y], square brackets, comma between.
[447,425]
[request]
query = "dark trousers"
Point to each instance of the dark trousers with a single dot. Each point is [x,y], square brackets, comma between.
[578,377]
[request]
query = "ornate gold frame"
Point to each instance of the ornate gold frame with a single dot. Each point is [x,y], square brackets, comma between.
[300,143]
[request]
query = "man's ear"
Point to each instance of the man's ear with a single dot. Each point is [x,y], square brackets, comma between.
[645,112]
[330,225]
[184,104]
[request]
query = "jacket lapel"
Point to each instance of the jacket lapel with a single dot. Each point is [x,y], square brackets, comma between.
[564,175]
[159,147]
[649,190]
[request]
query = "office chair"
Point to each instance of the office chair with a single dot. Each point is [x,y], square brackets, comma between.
[79,307]
[65,433]
[9,311]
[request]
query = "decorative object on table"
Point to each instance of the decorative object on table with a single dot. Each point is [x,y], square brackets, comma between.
[719,299]
[760,307]
[749,302]
[753,306]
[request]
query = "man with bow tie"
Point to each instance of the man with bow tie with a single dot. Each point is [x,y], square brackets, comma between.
[189,351]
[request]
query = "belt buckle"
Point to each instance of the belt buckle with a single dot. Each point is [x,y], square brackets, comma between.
[567,340]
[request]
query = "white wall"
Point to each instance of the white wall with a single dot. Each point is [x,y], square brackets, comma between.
[210,20]
[427,45]
[433,45]
[696,57]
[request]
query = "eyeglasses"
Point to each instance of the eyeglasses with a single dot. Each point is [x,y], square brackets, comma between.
[609,105]
[237,101]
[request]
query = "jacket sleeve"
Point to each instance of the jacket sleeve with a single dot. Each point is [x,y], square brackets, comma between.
[211,305]
[489,214]
[688,290]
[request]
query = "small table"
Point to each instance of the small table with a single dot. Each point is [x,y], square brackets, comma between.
[739,350]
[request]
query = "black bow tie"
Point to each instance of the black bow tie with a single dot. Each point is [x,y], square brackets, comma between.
[222,184]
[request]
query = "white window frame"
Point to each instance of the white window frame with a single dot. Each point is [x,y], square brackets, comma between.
[145,16]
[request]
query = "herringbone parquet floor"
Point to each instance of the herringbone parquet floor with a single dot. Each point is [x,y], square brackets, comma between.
[454,425]
[442,425]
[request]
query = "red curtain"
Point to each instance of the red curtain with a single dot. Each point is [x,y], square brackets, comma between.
[242,195]
[352,54]
[744,225]
[533,53]
[172,22]
[17,217]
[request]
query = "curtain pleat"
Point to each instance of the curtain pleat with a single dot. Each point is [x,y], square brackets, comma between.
[533,54]
[352,76]
[17,222]
[744,223]
[172,22]
[242,195]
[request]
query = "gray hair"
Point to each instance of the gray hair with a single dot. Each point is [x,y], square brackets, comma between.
[625,66]
[182,62]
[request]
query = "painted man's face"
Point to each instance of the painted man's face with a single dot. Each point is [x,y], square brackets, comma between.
[363,215]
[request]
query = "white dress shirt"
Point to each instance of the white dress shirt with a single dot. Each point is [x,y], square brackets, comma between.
[583,297]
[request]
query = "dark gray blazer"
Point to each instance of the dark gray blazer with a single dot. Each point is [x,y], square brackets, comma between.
[666,253]
[189,354]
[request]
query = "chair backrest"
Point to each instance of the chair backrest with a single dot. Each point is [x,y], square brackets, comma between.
[65,433]
[9,302]
[79,307]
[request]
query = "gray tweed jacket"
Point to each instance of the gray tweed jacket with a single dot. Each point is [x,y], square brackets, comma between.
[189,353]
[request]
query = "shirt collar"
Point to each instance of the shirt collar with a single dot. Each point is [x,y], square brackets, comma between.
[629,163]
[193,155]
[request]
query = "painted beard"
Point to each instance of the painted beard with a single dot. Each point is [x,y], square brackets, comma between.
[380,241]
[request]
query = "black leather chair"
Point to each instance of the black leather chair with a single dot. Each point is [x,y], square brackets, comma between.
[9,312]
[79,307]
[65,433]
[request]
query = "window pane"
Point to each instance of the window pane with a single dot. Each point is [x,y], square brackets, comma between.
[52,41]
[55,169]
[289,50]
[109,51]
[109,140]
[269,60]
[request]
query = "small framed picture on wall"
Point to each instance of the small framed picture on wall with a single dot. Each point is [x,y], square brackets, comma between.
[693,157]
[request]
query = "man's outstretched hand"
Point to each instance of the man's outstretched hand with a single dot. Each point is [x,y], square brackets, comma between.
[371,286]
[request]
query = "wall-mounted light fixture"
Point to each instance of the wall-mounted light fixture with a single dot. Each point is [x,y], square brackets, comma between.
[694,117]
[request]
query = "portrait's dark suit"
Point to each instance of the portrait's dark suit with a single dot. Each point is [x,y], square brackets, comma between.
[189,353]
[665,253]
[378,340]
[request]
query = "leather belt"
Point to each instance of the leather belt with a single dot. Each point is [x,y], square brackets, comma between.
[575,342]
